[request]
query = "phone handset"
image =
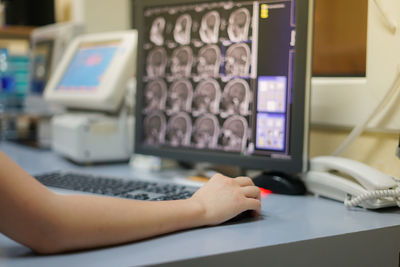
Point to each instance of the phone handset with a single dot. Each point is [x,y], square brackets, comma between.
[370,178]
[353,182]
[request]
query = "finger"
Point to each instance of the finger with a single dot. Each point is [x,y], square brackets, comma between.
[251,191]
[244,181]
[253,204]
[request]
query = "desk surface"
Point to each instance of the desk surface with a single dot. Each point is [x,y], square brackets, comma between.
[284,220]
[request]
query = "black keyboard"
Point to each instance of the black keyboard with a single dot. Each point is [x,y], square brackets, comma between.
[110,186]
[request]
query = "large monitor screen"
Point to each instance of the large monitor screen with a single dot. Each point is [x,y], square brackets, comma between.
[86,69]
[217,83]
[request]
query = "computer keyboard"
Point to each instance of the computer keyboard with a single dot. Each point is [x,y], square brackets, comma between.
[117,187]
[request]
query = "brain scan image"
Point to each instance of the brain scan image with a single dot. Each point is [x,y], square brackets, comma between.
[209,61]
[236,98]
[157,31]
[206,131]
[154,128]
[238,25]
[156,62]
[180,97]
[207,97]
[209,28]
[182,60]
[234,134]
[155,96]
[238,60]
[179,130]
[182,29]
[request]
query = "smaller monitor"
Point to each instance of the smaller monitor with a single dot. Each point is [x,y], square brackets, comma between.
[48,44]
[93,73]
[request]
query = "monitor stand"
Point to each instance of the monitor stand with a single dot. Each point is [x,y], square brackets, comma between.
[280,183]
[202,171]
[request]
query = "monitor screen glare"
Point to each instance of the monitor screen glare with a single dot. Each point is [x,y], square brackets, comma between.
[87,67]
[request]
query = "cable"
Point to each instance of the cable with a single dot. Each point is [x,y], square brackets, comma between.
[388,193]
[390,22]
[124,116]
[398,150]
[123,126]
[385,103]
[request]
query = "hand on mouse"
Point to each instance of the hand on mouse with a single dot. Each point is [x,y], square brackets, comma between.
[223,198]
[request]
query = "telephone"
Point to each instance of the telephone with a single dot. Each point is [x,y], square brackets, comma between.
[352,182]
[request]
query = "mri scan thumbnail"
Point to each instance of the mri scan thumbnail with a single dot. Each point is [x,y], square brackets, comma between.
[237,60]
[209,61]
[238,27]
[209,29]
[179,130]
[182,61]
[182,29]
[207,97]
[154,128]
[234,134]
[180,97]
[236,98]
[155,94]
[157,31]
[156,62]
[206,131]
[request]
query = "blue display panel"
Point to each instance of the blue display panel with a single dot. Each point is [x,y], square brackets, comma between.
[271,131]
[271,113]
[88,66]
[272,94]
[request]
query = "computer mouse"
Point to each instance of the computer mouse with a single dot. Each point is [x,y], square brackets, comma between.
[244,216]
[280,183]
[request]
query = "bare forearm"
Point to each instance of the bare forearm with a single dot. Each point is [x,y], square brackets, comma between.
[88,221]
[49,223]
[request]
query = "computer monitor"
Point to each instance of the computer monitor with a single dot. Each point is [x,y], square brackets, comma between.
[224,82]
[48,44]
[356,61]
[94,71]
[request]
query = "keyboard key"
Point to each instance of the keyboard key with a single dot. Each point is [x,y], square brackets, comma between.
[132,189]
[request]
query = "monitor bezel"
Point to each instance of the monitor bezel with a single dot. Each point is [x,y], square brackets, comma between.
[50,43]
[298,161]
[60,34]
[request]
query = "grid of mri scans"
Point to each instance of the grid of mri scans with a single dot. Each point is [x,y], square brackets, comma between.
[200,70]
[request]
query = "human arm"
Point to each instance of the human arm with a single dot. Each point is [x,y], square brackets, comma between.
[50,223]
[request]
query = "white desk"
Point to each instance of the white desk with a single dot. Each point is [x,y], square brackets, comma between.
[292,231]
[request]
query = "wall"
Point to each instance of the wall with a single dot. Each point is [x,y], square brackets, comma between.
[373,148]
[340,37]
[340,48]
[63,10]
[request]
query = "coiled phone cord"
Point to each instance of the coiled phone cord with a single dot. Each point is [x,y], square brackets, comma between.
[358,200]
